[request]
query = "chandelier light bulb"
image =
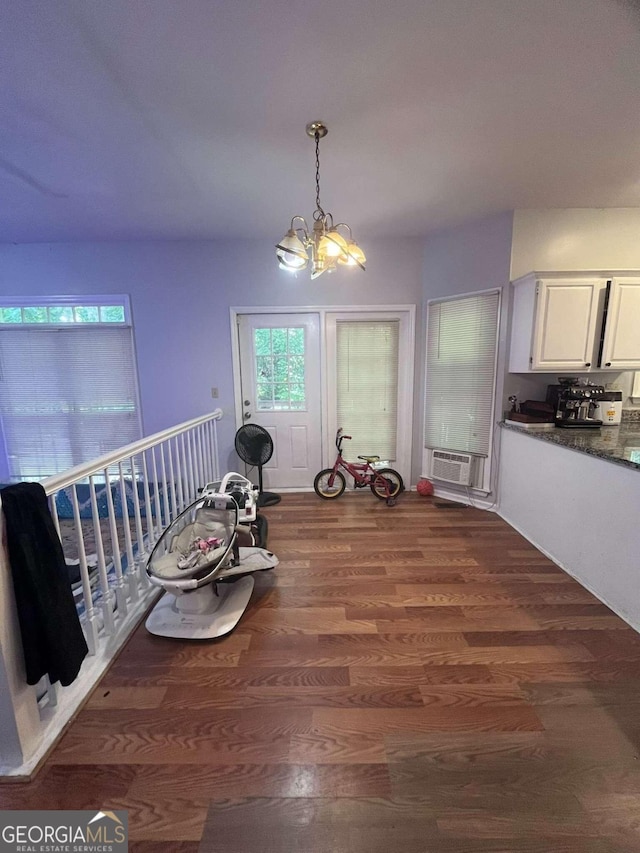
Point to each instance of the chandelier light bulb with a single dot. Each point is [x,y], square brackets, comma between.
[334,245]
[353,256]
[291,252]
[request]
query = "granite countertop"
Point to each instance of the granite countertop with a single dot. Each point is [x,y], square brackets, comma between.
[619,444]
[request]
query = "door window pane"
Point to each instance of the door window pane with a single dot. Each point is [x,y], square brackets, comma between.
[279,369]
[296,341]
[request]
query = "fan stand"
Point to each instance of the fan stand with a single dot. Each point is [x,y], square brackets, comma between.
[266,498]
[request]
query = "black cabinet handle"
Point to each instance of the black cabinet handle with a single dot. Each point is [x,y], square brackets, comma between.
[608,364]
[587,364]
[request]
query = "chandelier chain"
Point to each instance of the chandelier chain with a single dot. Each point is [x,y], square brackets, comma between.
[318,205]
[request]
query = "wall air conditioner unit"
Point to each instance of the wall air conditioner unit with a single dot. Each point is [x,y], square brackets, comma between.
[452,467]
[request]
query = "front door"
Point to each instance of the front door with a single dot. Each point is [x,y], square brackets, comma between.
[280,380]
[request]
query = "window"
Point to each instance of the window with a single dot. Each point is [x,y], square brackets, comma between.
[55,314]
[367,385]
[68,387]
[461,361]
[279,367]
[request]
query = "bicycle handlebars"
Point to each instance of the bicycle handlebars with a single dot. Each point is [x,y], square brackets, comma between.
[339,438]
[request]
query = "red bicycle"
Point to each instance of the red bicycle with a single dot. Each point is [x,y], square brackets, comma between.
[385,483]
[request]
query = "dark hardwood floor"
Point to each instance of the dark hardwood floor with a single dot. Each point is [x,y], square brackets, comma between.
[414,679]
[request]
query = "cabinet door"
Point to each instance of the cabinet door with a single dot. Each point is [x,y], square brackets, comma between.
[565,330]
[621,348]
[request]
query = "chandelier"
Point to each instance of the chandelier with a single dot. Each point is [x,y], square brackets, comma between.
[323,245]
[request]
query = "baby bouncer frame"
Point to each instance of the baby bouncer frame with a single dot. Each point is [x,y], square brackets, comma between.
[204,571]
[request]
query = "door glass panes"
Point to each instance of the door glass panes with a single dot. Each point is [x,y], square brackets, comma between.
[279,366]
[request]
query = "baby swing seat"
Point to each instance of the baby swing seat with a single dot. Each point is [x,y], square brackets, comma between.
[202,567]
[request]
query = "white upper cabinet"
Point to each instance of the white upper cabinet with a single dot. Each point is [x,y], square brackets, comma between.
[575,324]
[621,343]
[565,326]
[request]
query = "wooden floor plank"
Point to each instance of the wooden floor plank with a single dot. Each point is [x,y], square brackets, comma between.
[414,678]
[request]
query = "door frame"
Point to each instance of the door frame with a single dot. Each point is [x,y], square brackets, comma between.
[406,389]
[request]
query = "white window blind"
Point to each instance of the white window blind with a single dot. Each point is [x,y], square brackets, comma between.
[461,358]
[67,395]
[367,385]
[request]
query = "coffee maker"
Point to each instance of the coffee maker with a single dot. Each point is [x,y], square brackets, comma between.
[575,402]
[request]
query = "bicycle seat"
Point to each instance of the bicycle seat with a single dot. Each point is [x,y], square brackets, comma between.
[370,458]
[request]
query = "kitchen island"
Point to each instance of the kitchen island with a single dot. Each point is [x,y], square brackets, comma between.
[575,495]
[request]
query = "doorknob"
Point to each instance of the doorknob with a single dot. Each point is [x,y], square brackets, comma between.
[247,402]
[247,415]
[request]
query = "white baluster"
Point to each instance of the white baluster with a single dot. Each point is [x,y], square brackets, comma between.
[151,533]
[172,476]
[52,693]
[156,492]
[178,465]
[165,488]
[132,579]
[91,615]
[202,477]
[184,472]
[192,488]
[108,599]
[121,591]
[215,449]
[141,561]
[54,514]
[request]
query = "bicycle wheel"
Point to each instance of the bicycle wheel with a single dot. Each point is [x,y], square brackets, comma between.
[329,484]
[387,484]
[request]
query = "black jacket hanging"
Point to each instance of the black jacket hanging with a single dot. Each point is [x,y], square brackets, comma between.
[52,637]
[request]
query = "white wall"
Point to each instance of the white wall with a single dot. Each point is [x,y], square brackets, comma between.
[181,293]
[580,510]
[575,239]
[473,256]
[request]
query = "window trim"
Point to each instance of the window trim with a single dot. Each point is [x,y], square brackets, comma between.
[49,301]
[484,484]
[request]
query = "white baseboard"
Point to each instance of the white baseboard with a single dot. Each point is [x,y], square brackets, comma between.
[478,500]
[630,620]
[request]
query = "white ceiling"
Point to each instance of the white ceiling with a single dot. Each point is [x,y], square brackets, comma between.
[172,119]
